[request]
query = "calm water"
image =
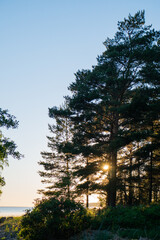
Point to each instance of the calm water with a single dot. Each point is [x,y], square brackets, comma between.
[12,211]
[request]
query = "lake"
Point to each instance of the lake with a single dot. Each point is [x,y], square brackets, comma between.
[12,211]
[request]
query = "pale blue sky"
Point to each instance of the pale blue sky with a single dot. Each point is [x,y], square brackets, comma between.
[42,44]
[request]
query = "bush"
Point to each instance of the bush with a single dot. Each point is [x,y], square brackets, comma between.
[127,217]
[54,219]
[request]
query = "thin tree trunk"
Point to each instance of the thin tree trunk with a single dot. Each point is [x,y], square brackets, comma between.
[113,162]
[130,200]
[139,182]
[68,185]
[151,177]
[112,181]
[87,192]
[87,199]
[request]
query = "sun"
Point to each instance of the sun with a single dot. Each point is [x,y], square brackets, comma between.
[105,167]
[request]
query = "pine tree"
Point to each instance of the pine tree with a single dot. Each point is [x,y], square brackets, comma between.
[113,105]
[57,165]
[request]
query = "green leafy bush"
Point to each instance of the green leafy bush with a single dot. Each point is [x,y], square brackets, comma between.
[54,219]
[127,217]
[132,222]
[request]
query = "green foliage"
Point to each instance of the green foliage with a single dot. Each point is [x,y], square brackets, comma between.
[124,222]
[54,219]
[130,222]
[10,228]
[7,146]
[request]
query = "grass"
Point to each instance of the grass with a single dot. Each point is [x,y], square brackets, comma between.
[121,234]
[9,228]
[139,233]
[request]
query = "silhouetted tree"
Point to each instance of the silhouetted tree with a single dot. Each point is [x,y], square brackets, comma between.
[7,146]
[112,109]
[110,105]
[57,173]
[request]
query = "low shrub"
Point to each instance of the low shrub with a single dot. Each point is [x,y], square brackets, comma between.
[54,218]
[127,217]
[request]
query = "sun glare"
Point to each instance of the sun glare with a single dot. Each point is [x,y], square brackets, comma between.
[105,167]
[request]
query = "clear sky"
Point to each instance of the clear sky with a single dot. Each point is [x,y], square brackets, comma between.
[42,44]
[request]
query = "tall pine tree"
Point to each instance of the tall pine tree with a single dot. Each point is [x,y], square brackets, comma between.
[112,105]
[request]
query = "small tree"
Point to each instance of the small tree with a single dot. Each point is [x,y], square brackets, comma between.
[54,219]
[58,165]
[7,146]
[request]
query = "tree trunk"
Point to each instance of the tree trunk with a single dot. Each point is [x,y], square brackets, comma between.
[130,200]
[87,199]
[113,162]
[151,177]
[112,181]
[68,185]
[87,193]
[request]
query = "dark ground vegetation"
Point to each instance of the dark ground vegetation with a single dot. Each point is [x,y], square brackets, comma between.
[60,219]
